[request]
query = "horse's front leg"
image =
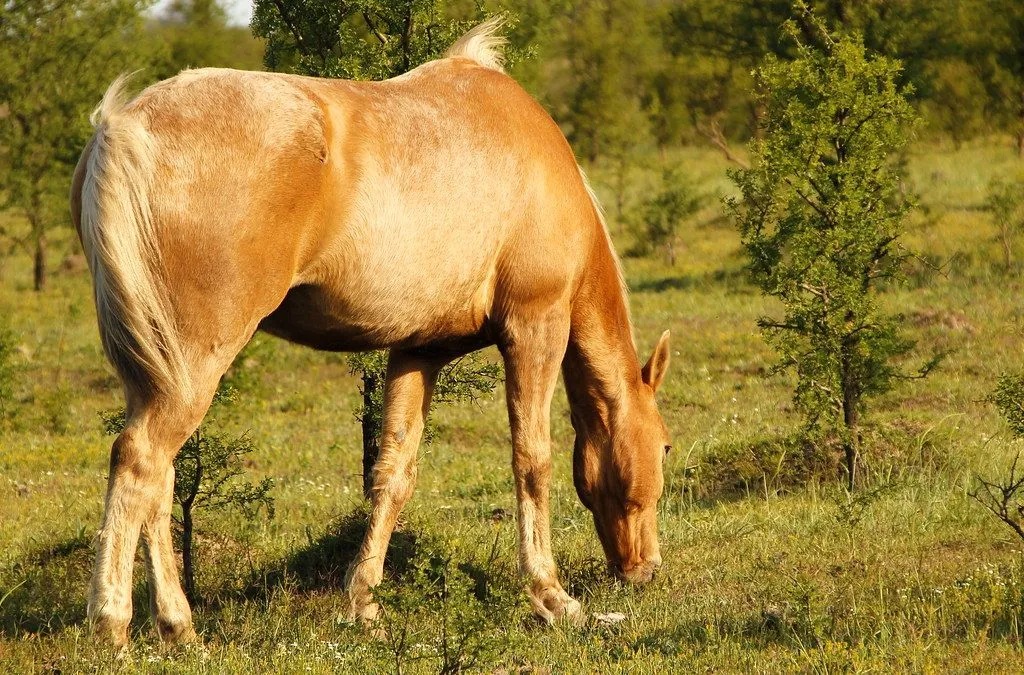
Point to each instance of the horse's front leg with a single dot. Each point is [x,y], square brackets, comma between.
[532,358]
[407,390]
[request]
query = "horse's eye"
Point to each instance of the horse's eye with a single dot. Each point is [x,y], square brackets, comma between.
[668,449]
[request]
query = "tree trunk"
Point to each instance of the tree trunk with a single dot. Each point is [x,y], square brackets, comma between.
[851,420]
[188,570]
[39,266]
[371,432]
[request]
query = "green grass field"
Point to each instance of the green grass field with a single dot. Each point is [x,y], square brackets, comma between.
[766,568]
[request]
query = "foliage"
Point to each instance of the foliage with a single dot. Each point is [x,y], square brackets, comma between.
[1006,203]
[1008,398]
[742,33]
[207,475]
[56,59]
[196,35]
[994,44]
[466,379]
[471,617]
[764,466]
[957,106]
[820,217]
[357,40]
[662,214]
[603,42]
[1003,496]
[371,367]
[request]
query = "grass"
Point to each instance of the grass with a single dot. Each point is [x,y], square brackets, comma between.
[765,569]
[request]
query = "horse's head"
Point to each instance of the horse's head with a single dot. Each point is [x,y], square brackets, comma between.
[618,474]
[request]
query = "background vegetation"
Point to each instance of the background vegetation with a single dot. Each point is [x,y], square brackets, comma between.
[771,564]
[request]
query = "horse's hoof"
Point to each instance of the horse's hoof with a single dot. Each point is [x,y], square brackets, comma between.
[553,604]
[110,630]
[362,611]
[175,631]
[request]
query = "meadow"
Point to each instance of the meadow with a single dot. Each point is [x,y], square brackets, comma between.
[770,565]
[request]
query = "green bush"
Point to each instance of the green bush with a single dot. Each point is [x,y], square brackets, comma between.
[1006,204]
[821,216]
[661,216]
[446,614]
[1003,495]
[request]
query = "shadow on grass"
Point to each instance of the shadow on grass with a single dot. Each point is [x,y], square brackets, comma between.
[734,279]
[761,630]
[321,565]
[45,591]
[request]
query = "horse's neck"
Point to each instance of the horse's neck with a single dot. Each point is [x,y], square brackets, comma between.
[601,367]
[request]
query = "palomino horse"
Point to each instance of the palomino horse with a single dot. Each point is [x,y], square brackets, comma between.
[432,214]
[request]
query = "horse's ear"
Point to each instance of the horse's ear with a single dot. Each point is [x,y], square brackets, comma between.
[654,372]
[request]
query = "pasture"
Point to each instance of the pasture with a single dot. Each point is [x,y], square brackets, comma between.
[768,567]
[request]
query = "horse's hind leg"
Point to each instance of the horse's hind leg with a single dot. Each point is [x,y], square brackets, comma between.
[139,495]
[407,390]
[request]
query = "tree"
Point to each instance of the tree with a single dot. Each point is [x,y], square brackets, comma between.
[56,59]
[1006,203]
[821,217]
[740,33]
[207,476]
[959,99]
[1003,496]
[197,35]
[663,214]
[357,40]
[998,50]
[605,46]
[362,40]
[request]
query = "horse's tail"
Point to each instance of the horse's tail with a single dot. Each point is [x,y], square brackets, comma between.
[136,320]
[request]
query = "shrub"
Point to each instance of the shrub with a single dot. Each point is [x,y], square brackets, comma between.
[662,215]
[445,613]
[1006,204]
[820,217]
[1004,495]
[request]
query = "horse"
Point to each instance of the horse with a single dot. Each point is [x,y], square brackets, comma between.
[432,214]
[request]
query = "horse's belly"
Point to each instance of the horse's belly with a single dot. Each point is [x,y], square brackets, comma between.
[353,316]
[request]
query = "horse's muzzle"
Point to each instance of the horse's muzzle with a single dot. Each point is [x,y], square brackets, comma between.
[639,573]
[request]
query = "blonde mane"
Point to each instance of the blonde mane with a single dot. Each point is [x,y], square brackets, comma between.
[482,44]
[599,210]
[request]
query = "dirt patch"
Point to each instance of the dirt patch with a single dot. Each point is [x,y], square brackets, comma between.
[947,319]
